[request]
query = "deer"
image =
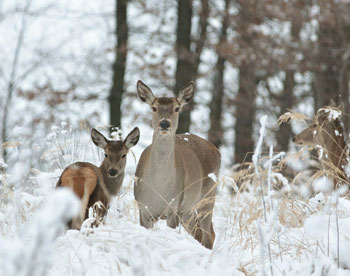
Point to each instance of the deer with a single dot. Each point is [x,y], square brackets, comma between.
[326,133]
[175,178]
[94,185]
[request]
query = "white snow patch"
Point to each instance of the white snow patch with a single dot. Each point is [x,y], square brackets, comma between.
[31,253]
[316,226]
[212,176]
[332,113]
[347,170]
[322,184]
[320,151]
[2,163]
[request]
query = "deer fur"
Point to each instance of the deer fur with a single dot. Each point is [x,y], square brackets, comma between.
[172,181]
[95,185]
[326,133]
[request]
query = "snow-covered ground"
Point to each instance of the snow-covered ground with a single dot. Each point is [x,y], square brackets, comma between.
[297,237]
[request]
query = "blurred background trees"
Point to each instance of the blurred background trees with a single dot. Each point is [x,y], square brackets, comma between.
[76,61]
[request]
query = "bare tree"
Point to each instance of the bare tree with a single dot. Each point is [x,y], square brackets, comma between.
[249,67]
[11,83]
[216,132]
[332,56]
[117,89]
[188,60]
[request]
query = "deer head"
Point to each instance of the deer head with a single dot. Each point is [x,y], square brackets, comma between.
[323,130]
[115,151]
[309,136]
[165,109]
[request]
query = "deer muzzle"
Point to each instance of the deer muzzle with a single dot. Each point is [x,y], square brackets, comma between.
[112,172]
[164,126]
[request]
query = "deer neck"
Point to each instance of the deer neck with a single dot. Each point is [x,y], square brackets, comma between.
[112,183]
[163,150]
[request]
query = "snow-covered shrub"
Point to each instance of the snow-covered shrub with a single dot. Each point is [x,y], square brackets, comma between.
[31,252]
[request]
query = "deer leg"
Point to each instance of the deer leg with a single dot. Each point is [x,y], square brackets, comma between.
[190,223]
[205,213]
[207,230]
[99,213]
[173,220]
[146,221]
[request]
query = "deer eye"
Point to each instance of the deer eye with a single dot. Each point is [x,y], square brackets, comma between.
[106,155]
[124,155]
[177,109]
[314,125]
[154,109]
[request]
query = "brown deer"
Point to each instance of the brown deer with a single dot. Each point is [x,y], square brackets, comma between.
[94,185]
[176,174]
[326,133]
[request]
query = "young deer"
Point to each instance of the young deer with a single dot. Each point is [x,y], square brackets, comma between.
[175,174]
[326,133]
[94,185]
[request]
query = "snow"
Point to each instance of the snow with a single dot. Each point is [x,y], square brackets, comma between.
[213,177]
[322,184]
[300,234]
[295,230]
[347,170]
[320,151]
[32,251]
[333,114]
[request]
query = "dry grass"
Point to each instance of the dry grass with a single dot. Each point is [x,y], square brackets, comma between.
[291,115]
[237,216]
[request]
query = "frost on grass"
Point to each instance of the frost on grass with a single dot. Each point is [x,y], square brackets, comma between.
[258,147]
[2,163]
[30,253]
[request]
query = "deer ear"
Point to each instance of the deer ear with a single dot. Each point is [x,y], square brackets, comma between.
[186,94]
[132,138]
[98,139]
[145,93]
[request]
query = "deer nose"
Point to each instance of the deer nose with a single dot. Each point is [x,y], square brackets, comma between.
[164,124]
[112,172]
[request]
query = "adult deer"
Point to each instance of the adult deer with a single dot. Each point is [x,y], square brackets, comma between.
[175,176]
[326,133]
[94,185]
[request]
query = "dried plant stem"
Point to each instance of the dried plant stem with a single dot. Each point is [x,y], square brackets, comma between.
[337,223]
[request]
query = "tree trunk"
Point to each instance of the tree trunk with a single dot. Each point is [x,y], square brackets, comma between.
[216,132]
[285,101]
[184,67]
[11,84]
[245,115]
[188,61]
[326,86]
[117,89]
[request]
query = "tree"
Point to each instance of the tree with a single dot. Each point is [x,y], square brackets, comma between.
[296,13]
[216,132]
[331,56]
[11,84]
[249,65]
[187,60]
[117,89]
